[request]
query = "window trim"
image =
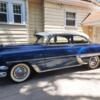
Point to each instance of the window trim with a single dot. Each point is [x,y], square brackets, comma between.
[10,14]
[70,44]
[66,26]
[56,37]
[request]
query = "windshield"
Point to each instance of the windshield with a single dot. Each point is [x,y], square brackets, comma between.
[39,39]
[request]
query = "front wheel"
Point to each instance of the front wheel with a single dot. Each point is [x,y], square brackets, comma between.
[19,72]
[94,62]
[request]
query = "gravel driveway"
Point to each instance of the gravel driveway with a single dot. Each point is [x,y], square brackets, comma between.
[68,84]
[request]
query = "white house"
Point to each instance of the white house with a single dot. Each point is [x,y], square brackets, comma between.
[20,19]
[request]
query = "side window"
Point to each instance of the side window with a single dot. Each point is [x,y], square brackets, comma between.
[62,39]
[79,39]
[58,40]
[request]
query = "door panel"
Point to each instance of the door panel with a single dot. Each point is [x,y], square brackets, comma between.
[38,57]
[60,56]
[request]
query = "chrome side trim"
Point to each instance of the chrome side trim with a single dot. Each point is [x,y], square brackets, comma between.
[80,61]
[57,57]
[37,69]
[3,74]
[89,55]
[79,57]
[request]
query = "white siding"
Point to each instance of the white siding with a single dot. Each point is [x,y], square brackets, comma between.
[97,34]
[35,17]
[54,16]
[13,34]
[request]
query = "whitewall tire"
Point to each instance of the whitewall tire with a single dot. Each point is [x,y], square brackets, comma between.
[94,62]
[20,72]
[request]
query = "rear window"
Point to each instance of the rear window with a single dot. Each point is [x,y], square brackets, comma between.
[79,39]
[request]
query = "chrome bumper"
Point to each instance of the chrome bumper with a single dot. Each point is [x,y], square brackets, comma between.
[3,71]
[3,74]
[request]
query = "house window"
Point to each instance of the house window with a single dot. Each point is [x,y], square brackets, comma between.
[70,19]
[17,13]
[12,12]
[3,12]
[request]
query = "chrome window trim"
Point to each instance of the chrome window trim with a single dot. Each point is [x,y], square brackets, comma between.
[50,36]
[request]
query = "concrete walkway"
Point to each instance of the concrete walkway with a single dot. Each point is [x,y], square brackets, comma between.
[69,84]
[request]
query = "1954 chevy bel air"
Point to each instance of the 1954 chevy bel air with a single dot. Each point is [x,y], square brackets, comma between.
[51,51]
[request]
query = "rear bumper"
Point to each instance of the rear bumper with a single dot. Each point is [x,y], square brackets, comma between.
[3,71]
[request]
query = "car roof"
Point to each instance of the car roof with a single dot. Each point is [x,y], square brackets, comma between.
[45,34]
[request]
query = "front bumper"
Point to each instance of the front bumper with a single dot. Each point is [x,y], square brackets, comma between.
[3,74]
[3,71]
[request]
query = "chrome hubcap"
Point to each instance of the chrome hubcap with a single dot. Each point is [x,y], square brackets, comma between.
[20,72]
[94,62]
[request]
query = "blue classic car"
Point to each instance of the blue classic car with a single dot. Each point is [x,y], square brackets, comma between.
[51,51]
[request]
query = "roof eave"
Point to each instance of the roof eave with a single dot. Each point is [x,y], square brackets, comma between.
[74,3]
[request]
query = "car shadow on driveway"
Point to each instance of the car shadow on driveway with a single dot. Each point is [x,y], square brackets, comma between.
[36,76]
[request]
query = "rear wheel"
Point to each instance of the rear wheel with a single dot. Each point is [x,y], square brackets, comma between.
[94,62]
[20,72]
